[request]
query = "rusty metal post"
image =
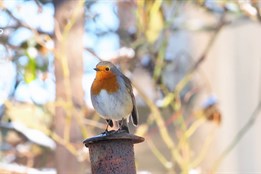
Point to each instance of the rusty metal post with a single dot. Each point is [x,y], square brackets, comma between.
[113,153]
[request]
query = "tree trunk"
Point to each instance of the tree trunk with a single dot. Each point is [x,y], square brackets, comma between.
[69,30]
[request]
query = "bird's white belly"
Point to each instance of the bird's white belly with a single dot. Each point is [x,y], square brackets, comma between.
[112,106]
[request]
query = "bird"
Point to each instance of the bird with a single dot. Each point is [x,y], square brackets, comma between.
[112,96]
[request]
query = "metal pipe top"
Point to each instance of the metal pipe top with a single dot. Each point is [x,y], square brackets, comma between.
[113,136]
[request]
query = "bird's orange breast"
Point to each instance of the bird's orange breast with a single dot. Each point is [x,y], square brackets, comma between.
[104,80]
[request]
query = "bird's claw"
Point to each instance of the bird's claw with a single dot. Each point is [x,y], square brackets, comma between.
[120,130]
[123,129]
[106,132]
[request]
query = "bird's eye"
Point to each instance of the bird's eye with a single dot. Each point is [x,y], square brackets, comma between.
[107,68]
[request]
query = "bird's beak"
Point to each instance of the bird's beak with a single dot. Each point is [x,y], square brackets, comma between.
[96,69]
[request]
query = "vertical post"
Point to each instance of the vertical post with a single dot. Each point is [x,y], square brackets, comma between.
[112,153]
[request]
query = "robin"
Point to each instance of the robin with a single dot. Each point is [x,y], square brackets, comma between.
[112,96]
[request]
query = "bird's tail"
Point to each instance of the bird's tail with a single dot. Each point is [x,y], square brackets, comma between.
[134,116]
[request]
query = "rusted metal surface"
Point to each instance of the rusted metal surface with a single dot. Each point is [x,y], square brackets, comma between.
[113,153]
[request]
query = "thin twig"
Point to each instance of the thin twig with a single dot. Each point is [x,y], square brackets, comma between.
[158,118]
[240,134]
[94,123]
[93,53]
[238,137]
[167,164]
[181,84]
[25,25]
[209,45]
[39,5]
[204,149]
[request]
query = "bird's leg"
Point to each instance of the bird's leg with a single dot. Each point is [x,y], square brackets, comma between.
[106,129]
[109,123]
[123,125]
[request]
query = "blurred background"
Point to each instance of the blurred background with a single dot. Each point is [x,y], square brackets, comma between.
[195,68]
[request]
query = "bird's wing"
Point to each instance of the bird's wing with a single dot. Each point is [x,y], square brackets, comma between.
[134,112]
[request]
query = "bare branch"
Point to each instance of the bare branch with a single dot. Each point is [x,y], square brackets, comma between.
[238,137]
[25,25]
[39,5]
[251,121]
[93,53]
[202,58]
[181,84]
